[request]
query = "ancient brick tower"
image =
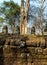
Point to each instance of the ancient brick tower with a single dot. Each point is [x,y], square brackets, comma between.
[24,17]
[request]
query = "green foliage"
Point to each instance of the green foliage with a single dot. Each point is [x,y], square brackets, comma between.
[2,19]
[11,10]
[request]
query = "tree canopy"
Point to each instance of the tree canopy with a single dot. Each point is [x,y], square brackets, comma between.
[11,11]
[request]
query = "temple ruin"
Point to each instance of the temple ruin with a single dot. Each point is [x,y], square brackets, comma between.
[23,49]
[5,30]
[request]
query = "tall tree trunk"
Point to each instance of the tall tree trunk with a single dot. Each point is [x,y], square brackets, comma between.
[41,30]
[24,17]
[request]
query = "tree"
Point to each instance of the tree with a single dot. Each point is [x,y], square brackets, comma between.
[41,16]
[11,12]
[24,16]
[1,21]
[36,13]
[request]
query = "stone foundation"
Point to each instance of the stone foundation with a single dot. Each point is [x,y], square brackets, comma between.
[10,54]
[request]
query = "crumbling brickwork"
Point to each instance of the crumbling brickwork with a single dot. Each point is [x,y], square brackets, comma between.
[29,53]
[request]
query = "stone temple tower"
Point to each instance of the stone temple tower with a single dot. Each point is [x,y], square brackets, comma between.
[24,17]
[5,30]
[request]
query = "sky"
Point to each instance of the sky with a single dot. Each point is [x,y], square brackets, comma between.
[17,1]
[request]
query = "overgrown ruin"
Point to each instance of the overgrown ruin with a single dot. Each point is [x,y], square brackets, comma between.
[23,49]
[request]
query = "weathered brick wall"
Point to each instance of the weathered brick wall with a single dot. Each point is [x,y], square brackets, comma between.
[34,55]
[11,57]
